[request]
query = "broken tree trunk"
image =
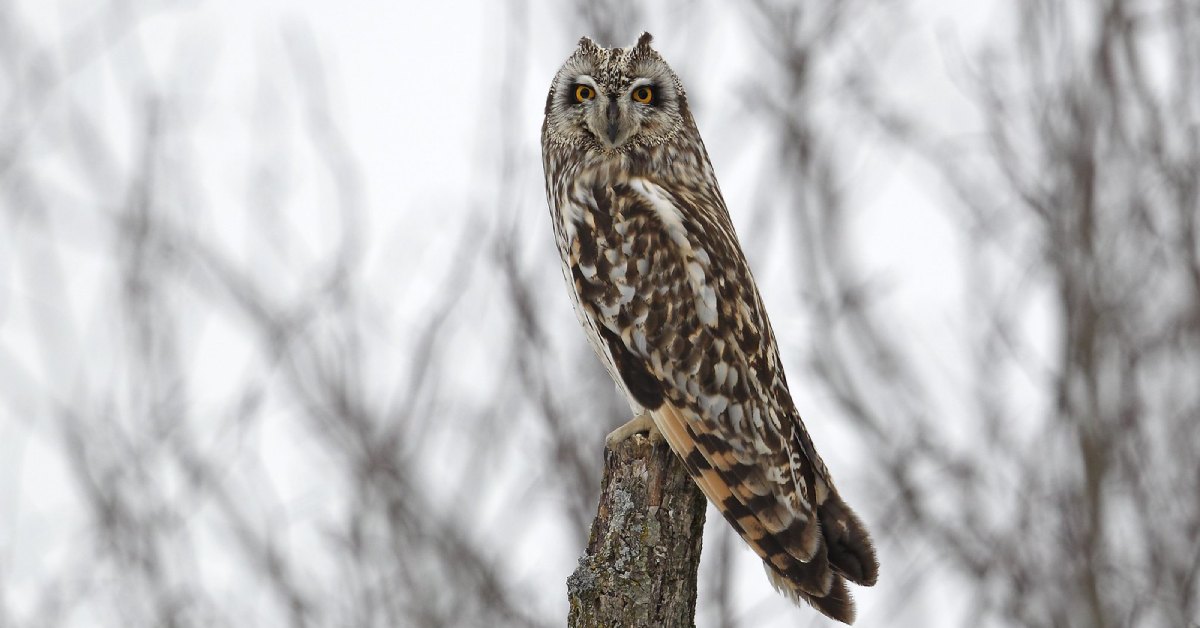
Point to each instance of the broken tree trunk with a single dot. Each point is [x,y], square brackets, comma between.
[641,559]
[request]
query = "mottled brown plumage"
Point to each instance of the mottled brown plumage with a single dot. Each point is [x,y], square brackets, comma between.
[663,290]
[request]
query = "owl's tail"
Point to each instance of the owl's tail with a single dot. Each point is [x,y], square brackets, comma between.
[850,554]
[807,557]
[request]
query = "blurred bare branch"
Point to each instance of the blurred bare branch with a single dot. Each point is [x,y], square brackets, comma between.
[1071,506]
[171,487]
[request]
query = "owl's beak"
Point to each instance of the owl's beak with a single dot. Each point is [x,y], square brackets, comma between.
[614,116]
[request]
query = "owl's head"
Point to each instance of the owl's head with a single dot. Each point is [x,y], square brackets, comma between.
[613,99]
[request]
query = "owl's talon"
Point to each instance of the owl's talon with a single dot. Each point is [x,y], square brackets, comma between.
[640,424]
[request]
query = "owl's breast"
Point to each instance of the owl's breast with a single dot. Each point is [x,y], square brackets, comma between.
[674,287]
[614,247]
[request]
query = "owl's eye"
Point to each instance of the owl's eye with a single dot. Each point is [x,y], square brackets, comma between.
[643,94]
[583,92]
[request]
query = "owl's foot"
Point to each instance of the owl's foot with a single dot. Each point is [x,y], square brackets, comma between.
[640,424]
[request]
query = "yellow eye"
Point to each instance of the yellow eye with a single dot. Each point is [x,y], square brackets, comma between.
[583,92]
[643,95]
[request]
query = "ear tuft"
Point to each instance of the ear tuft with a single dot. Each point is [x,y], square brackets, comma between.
[643,42]
[587,45]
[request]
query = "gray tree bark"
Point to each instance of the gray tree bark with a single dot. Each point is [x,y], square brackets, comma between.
[641,560]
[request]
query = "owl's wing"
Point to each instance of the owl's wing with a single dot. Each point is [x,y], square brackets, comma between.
[670,294]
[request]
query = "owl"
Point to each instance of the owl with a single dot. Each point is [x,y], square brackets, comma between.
[664,293]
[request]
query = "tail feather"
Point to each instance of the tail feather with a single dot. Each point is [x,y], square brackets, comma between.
[837,603]
[808,556]
[813,578]
[851,553]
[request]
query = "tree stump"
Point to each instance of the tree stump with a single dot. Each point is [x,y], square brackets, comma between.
[644,549]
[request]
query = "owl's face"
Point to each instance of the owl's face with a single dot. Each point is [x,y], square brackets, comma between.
[613,99]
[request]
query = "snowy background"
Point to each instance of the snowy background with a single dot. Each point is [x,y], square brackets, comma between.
[284,339]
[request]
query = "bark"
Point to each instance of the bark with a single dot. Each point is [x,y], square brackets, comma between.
[640,565]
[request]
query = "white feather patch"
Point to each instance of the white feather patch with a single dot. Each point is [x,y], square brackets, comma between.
[736,415]
[667,212]
[696,260]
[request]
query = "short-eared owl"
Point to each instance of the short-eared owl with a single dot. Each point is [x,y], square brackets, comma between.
[665,295]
